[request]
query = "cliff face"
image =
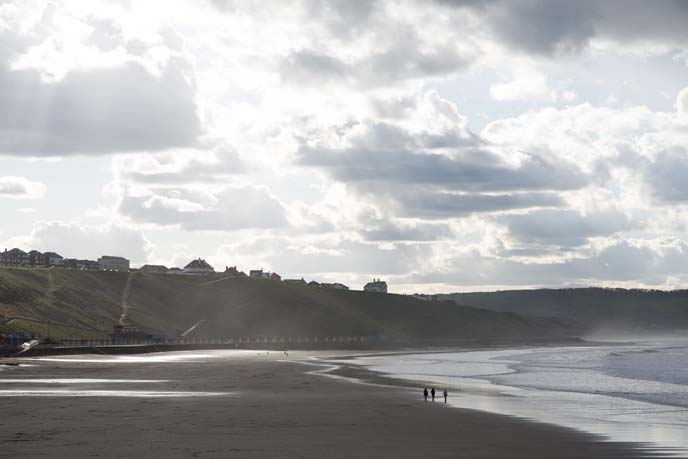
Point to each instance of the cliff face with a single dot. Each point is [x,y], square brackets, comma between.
[88,304]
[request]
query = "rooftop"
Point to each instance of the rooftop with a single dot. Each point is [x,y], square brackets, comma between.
[200,263]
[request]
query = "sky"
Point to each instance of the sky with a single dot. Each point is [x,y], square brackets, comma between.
[439,145]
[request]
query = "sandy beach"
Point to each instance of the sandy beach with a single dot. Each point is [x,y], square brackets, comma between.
[248,404]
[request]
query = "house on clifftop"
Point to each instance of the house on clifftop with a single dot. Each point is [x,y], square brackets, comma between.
[14,257]
[154,269]
[376,286]
[232,271]
[113,263]
[199,266]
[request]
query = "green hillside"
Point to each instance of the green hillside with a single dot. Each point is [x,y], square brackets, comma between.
[88,303]
[592,309]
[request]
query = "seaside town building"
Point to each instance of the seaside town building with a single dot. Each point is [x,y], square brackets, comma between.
[15,257]
[81,265]
[232,271]
[199,266]
[37,258]
[154,269]
[376,286]
[259,274]
[54,259]
[295,281]
[33,259]
[113,263]
[335,286]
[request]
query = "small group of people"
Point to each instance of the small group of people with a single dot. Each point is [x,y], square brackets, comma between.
[432,394]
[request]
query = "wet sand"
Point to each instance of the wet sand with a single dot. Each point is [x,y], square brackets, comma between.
[249,405]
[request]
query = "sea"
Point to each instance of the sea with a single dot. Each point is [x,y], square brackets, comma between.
[635,392]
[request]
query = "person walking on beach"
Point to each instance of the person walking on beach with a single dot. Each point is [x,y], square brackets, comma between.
[432,392]
[425,394]
[445,395]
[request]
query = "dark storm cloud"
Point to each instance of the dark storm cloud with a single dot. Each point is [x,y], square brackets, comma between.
[552,26]
[104,110]
[567,228]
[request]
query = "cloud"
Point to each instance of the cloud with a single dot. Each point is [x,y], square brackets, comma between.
[180,167]
[564,228]
[666,175]
[21,188]
[226,208]
[76,240]
[419,203]
[425,163]
[469,170]
[336,259]
[564,27]
[682,102]
[396,64]
[389,231]
[622,262]
[529,86]
[104,110]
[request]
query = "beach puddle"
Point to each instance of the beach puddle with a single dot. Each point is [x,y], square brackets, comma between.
[109,393]
[80,381]
[181,357]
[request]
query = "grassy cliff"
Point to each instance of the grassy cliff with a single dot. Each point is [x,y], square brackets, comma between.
[594,310]
[88,303]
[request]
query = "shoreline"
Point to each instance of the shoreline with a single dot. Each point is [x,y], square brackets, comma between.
[277,409]
[416,346]
[342,367]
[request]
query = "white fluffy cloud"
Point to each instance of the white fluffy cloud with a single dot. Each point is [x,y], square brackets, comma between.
[451,143]
[682,102]
[226,208]
[180,167]
[69,85]
[21,188]
[526,85]
[76,240]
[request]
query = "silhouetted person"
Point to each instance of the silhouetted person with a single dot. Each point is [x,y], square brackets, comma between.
[432,392]
[425,394]
[445,395]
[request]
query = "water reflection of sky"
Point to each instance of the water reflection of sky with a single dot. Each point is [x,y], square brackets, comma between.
[107,393]
[572,387]
[79,381]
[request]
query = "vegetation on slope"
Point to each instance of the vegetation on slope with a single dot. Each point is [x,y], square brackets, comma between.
[89,303]
[593,309]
